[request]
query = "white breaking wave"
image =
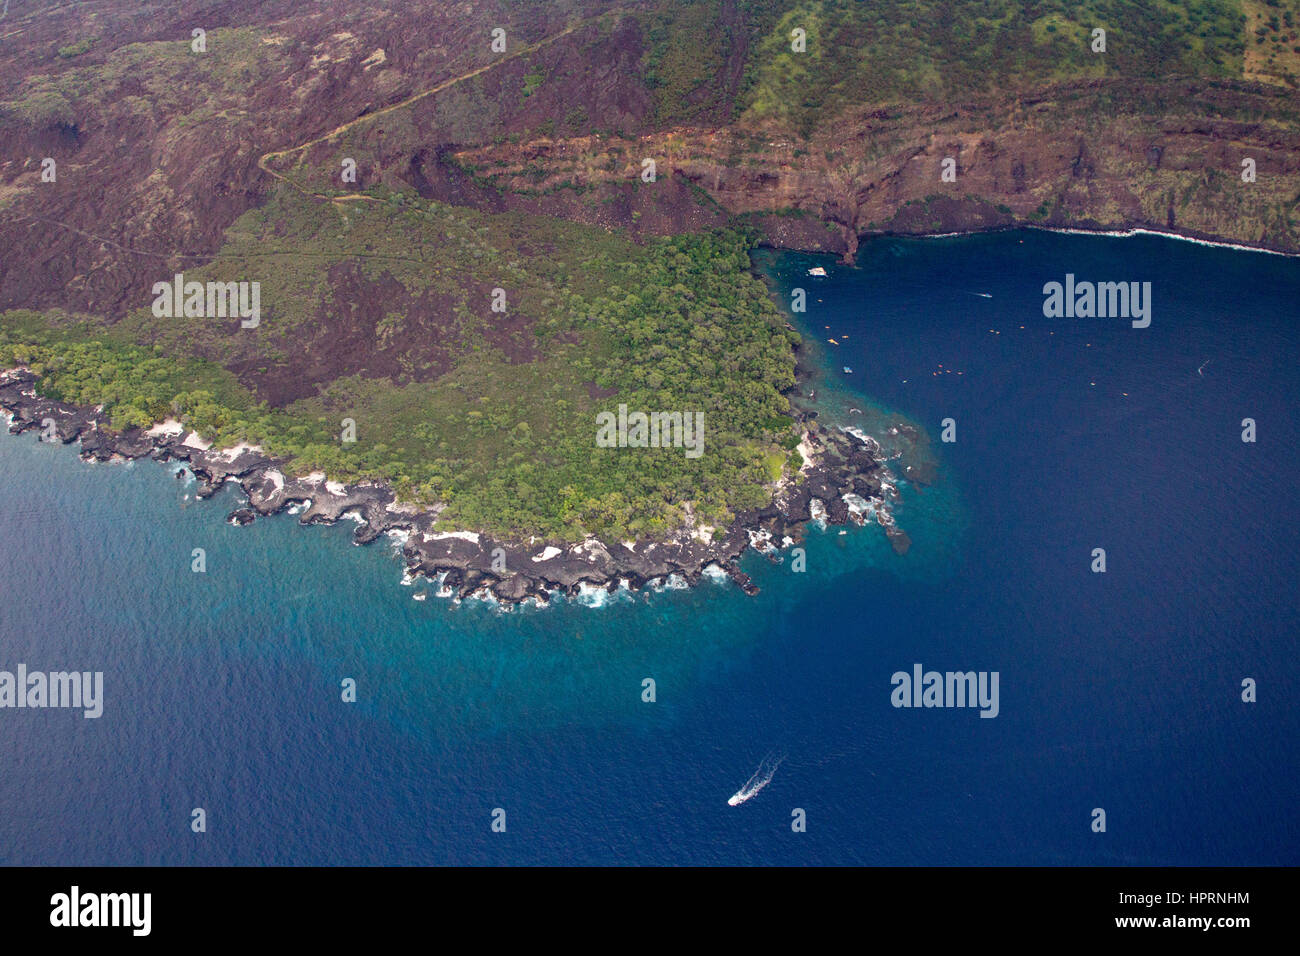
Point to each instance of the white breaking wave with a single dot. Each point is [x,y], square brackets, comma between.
[761,778]
[1138,231]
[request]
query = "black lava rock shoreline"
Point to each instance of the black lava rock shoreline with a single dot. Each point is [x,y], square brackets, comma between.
[845,480]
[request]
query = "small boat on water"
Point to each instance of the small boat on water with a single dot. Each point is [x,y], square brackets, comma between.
[817,271]
[847,370]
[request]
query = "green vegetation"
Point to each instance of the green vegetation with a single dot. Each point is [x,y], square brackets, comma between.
[1273,50]
[169,83]
[874,51]
[531,82]
[76,49]
[686,48]
[44,109]
[85,363]
[498,424]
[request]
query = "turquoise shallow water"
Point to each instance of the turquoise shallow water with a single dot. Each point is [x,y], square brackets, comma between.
[1117,691]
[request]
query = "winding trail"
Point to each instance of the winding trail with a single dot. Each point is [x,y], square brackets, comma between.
[266,158]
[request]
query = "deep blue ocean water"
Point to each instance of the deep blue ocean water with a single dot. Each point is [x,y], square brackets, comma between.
[1119,690]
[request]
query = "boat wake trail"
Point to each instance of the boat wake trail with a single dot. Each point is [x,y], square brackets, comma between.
[762,776]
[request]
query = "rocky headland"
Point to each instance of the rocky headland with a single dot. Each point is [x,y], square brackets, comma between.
[845,479]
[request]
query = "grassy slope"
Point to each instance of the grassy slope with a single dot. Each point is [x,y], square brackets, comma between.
[891,51]
[677,325]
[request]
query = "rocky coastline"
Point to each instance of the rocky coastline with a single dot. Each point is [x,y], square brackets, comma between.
[844,480]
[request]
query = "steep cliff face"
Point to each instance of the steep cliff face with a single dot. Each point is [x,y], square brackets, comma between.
[1073,155]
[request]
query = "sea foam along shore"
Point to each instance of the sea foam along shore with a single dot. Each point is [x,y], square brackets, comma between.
[1195,240]
[844,480]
